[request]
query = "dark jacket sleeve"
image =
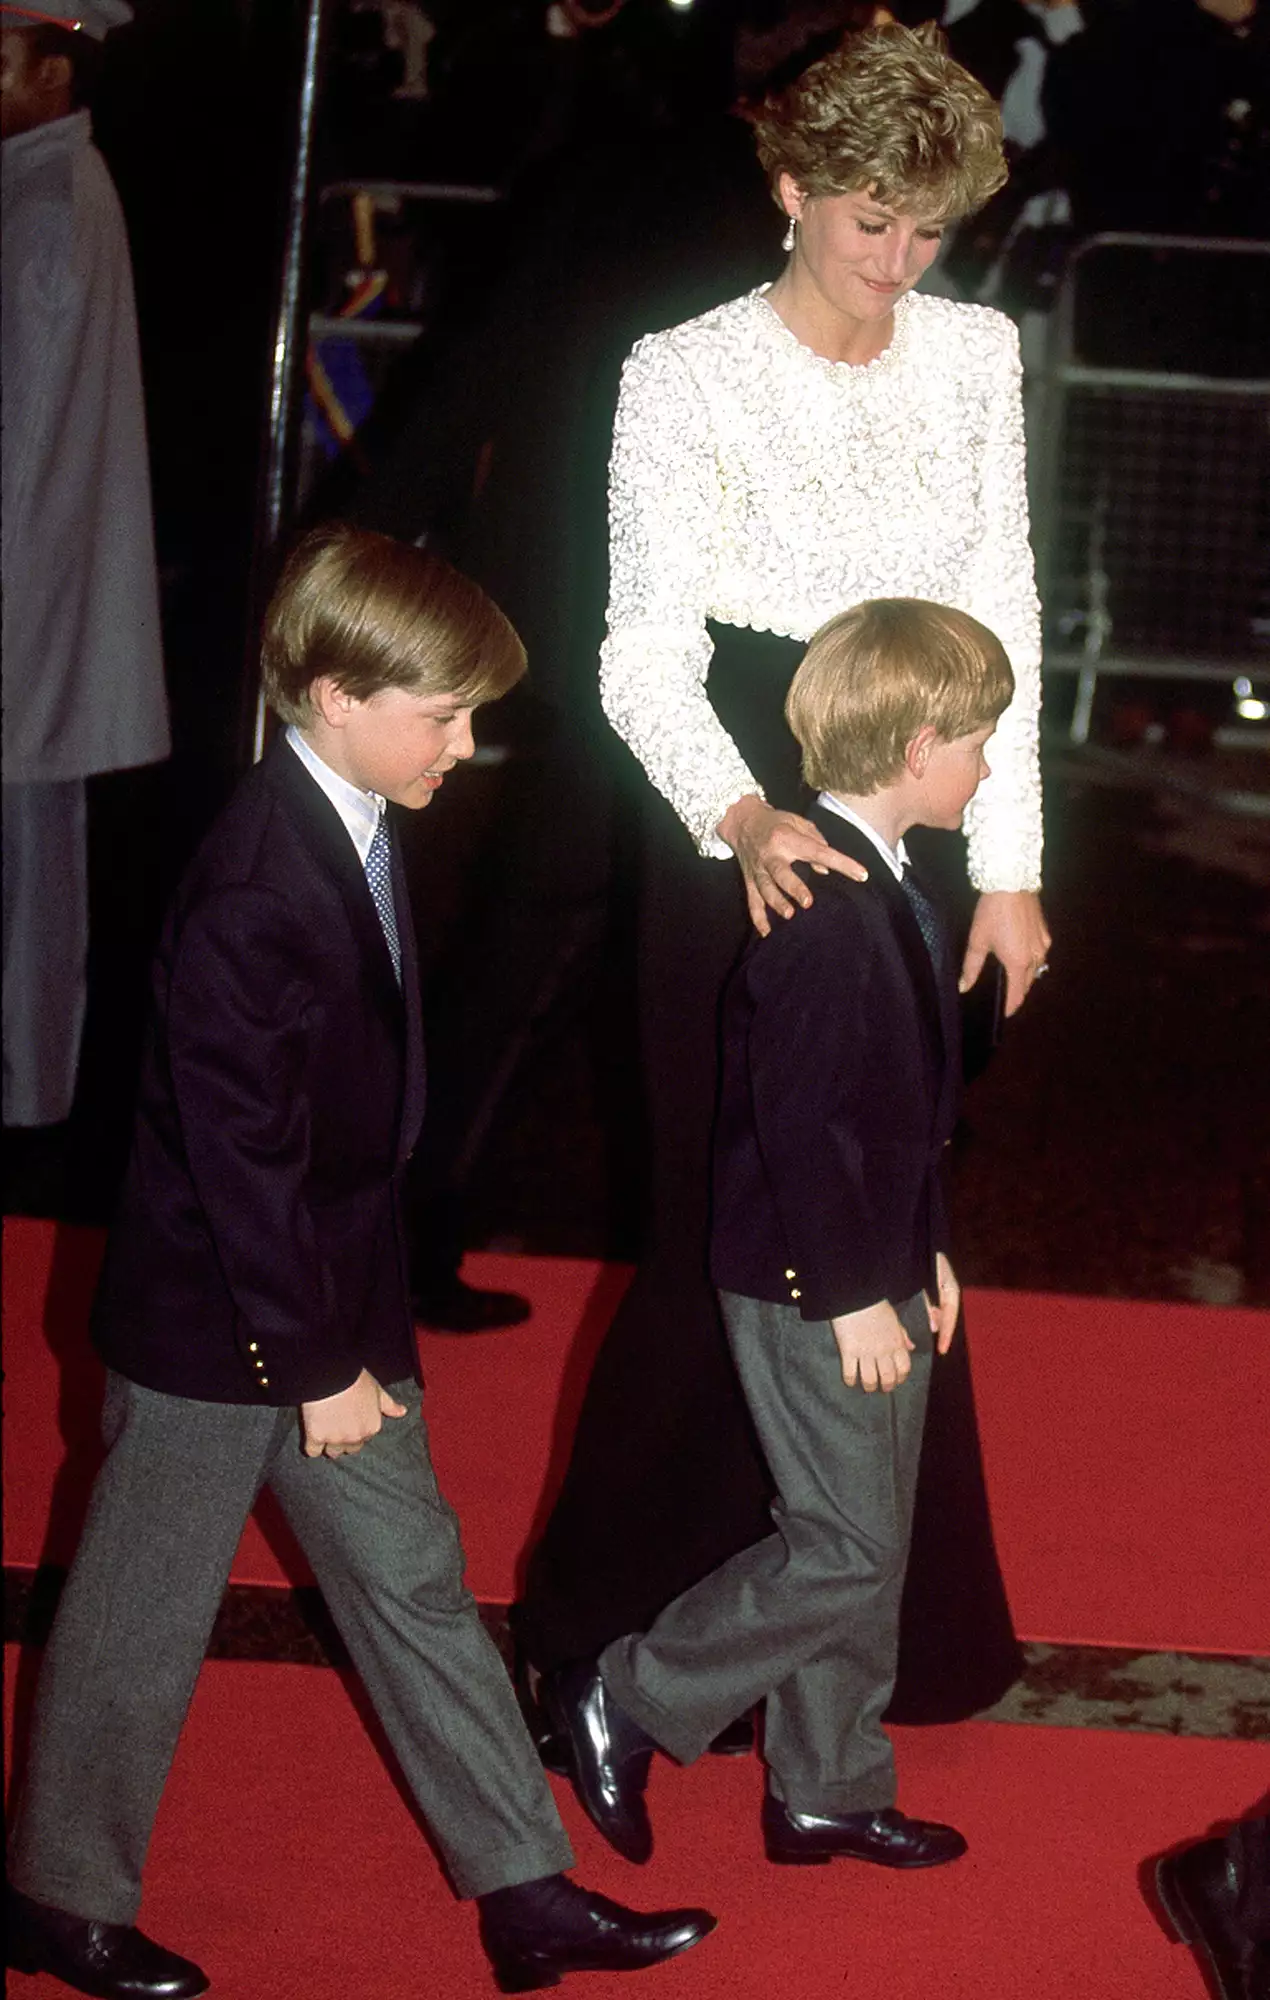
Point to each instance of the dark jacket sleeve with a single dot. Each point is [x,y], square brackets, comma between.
[808,1055]
[239,1006]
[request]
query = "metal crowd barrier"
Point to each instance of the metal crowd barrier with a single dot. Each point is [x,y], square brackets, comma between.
[1152,486]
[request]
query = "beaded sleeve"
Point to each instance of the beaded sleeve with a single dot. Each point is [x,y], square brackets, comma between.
[1003,820]
[664,517]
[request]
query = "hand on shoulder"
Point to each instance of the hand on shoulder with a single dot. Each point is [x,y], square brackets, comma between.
[767,843]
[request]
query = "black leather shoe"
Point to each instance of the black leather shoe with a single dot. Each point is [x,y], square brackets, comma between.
[552,1744]
[539,1930]
[112,1961]
[447,1305]
[609,1756]
[887,1836]
[1199,1890]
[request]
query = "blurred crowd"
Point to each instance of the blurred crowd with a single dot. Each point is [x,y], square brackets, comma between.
[1152,114]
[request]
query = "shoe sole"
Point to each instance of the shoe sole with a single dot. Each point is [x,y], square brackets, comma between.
[821,1858]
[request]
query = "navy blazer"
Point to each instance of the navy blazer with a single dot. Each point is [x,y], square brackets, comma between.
[258,1254]
[841,1070]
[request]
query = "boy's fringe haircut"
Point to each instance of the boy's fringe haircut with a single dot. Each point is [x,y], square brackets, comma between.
[375,613]
[875,675]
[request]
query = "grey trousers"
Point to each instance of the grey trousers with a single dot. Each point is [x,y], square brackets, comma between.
[809,1617]
[45,948]
[132,1628]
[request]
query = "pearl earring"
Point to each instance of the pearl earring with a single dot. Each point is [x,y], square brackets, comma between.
[787,241]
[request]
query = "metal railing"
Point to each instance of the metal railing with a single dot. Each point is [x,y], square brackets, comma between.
[1152,496]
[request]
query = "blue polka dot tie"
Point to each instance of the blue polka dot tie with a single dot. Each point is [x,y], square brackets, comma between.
[379,879]
[927,916]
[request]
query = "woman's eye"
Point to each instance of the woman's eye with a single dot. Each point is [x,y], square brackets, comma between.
[873,228]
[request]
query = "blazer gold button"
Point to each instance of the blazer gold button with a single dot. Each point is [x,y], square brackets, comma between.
[795,1293]
[791,1274]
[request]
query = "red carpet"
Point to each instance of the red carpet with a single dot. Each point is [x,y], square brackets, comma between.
[1125,1442]
[285,1861]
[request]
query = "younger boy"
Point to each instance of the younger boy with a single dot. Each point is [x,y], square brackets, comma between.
[253,1314]
[839,1090]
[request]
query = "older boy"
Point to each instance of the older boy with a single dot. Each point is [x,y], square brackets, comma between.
[839,1089]
[253,1313]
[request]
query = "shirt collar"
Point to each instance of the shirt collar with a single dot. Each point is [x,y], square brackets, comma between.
[896,858]
[360,811]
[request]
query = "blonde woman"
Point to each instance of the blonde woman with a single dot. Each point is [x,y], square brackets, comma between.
[828,438]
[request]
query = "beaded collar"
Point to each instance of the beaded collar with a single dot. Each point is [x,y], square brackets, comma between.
[838,371]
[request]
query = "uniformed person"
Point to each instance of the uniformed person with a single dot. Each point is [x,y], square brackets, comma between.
[83,665]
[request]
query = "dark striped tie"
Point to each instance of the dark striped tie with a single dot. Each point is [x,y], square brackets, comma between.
[927,916]
[379,878]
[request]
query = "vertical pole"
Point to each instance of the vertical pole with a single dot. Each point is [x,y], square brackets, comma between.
[1097,615]
[276,490]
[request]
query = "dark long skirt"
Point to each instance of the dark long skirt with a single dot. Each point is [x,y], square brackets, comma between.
[666,1479]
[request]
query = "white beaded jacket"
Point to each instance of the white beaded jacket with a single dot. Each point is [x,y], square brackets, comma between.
[756,484]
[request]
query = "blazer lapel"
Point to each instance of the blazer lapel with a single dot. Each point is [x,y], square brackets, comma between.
[328,839]
[948,1013]
[848,839]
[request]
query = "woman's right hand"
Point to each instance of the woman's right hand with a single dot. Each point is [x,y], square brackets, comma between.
[766,843]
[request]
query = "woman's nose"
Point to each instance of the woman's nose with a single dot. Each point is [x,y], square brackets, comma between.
[897,255]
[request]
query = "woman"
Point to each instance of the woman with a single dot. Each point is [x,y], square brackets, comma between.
[825,439]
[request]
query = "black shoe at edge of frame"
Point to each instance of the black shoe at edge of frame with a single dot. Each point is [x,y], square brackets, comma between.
[107,1961]
[1197,1890]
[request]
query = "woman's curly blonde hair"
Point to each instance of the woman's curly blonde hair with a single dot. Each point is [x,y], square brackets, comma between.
[890,112]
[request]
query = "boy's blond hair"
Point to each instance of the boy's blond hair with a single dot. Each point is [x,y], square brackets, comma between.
[889,112]
[877,674]
[374,613]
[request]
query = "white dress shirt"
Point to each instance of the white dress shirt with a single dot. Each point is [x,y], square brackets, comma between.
[360,811]
[896,858]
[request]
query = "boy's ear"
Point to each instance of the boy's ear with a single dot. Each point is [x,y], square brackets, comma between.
[917,751]
[332,702]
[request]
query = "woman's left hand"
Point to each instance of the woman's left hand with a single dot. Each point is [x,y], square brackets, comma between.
[944,1316]
[1011,925]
